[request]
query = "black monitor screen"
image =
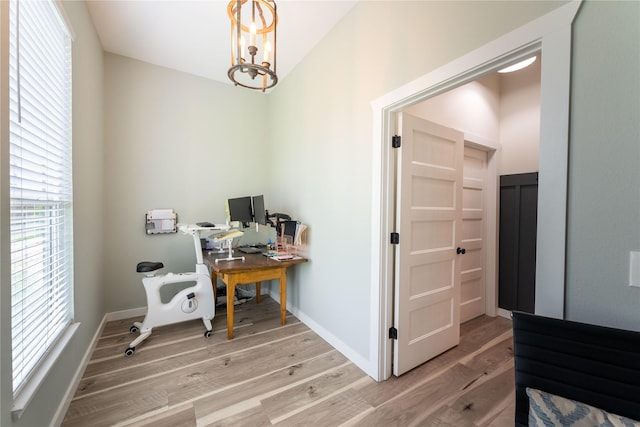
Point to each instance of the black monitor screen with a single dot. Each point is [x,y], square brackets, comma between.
[240,209]
[259,213]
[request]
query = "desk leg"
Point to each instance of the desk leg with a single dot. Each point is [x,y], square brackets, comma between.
[283,297]
[231,292]
[214,285]
[258,292]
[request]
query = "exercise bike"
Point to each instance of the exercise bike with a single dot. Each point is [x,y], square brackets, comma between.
[190,303]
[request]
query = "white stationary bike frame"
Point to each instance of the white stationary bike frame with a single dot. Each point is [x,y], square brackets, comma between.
[190,303]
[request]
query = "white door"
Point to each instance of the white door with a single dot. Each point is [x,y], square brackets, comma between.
[428,218]
[472,284]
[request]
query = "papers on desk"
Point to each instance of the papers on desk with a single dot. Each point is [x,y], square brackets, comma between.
[282,257]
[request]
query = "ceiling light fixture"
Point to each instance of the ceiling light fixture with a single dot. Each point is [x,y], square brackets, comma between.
[518,66]
[253,65]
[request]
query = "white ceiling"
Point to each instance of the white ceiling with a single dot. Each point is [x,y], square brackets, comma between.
[194,36]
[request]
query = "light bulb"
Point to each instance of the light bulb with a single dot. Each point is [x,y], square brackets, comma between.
[267,52]
[252,36]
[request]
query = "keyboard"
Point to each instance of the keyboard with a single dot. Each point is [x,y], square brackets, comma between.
[250,250]
[208,225]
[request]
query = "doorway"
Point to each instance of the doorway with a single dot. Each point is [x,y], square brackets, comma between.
[550,34]
[505,108]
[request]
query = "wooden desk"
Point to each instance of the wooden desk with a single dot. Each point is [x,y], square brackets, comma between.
[254,269]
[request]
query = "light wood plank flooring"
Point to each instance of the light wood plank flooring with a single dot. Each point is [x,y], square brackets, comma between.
[287,376]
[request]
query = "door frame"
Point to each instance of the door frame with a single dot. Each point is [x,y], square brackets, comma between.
[550,34]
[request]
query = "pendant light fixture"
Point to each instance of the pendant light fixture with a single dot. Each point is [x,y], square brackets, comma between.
[253,43]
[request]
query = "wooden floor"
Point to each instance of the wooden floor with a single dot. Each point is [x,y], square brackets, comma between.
[287,375]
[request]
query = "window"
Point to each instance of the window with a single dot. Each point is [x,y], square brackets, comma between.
[40,187]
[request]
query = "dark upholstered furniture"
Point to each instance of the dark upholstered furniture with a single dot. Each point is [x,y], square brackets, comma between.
[592,364]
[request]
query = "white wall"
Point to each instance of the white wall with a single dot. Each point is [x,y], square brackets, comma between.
[504,108]
[472,108]
[520,120]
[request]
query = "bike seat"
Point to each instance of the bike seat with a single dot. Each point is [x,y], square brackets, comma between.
[148,266]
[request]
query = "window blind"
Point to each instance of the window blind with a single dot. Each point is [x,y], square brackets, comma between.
[40,183]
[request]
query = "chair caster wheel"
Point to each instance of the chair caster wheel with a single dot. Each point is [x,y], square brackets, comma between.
[207,334]
[133,329]
[129,352]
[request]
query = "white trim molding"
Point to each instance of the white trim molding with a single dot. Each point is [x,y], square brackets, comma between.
[22,399]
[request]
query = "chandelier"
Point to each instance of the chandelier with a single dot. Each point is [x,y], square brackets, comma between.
[253,65]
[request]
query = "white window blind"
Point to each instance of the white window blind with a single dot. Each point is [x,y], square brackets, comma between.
[40,183]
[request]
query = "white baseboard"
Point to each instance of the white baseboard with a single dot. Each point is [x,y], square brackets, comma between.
[126,314]
[335,342]
[504,313]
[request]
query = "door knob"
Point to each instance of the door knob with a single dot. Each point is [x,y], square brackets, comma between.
[461,251]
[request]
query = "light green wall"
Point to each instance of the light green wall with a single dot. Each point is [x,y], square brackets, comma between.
[172,140]
[88,169]
[604,172]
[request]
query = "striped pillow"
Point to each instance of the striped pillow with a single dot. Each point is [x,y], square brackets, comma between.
[548,410]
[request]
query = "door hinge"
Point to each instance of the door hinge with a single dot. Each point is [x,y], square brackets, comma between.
[396,141]
[393,333]
[395,238]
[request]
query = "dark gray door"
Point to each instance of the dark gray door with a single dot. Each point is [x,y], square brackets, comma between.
[517,253]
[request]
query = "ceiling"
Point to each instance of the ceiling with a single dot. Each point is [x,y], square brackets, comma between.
[194,36]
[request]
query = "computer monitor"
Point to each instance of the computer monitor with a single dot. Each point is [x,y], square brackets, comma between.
[259,212]
[239,209]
